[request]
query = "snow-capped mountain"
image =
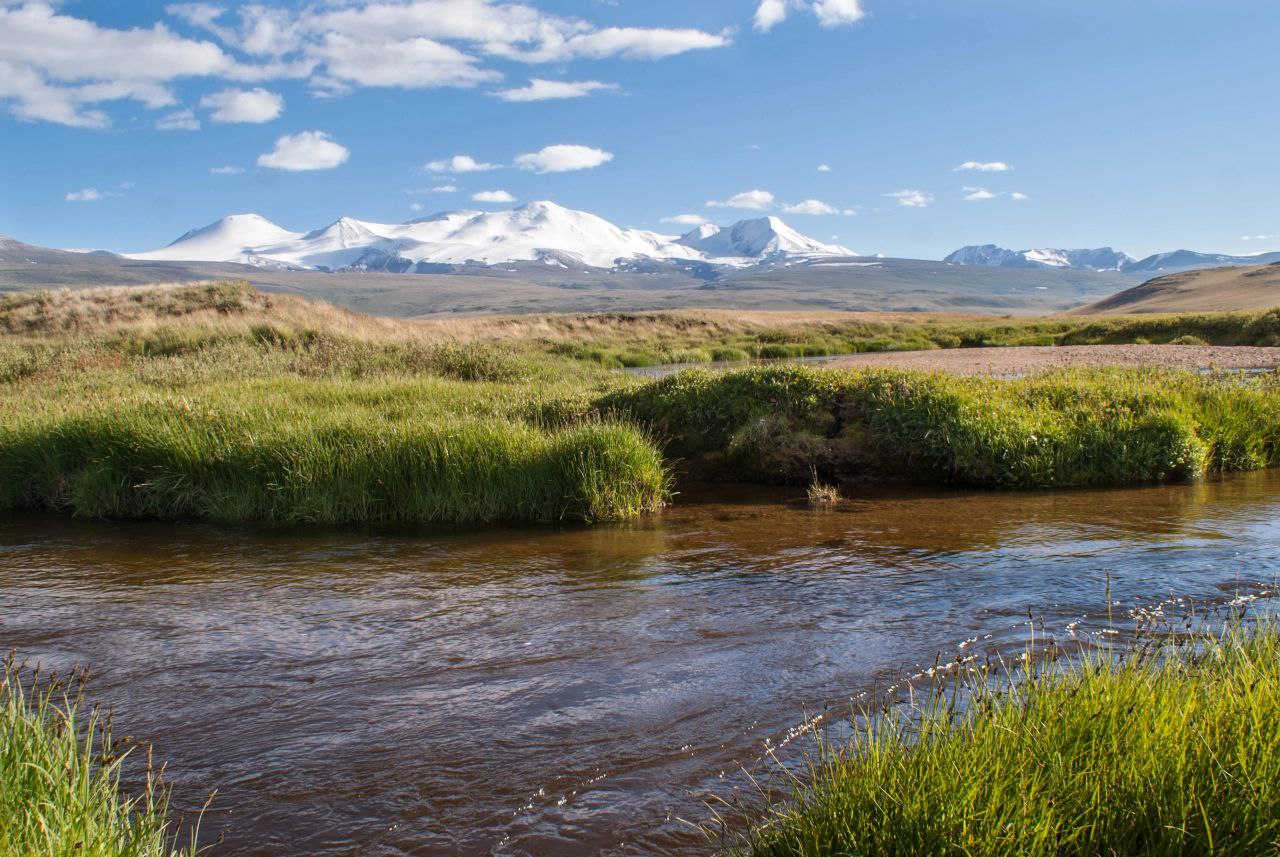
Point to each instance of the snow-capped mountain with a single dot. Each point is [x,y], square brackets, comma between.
[1101,259]
[757,239]
[989,255]
[536,232]
[1181,260]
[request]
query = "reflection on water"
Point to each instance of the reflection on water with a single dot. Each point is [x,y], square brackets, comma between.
[566,691]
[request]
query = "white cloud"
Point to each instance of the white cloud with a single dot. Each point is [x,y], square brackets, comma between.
[459,164]
[563,158]
[243,105]
[57,68]
[181,120]
[978,194]
[824,168]
[830,13]
[415,206]
[911,198]
[89,194]
[227,171]
[546,90]
[308,150]
[836,13]
[445,188]
[984,167]
[810,206]
[427,43]
[1018,196]
[758,200]
[493,196]
[770,13]
[1260,237]
[687,220]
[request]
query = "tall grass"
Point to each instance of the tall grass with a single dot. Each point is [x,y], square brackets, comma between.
[60,780]
[1067,429]
[323,459]
[1171,750]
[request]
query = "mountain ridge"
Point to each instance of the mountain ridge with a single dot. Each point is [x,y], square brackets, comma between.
[1100,259]
[539,231]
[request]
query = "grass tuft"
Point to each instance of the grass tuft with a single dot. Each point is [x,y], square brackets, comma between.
[1169,750]
[60,772]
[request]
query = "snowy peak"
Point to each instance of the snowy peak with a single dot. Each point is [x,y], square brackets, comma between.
[761,238]
[1100,259]
[989,255]
[230,239]
[535,232]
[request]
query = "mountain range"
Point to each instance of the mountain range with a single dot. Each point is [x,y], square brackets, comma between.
[537,232]
[1100,259]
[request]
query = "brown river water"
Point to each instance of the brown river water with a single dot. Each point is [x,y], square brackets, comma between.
[570,691]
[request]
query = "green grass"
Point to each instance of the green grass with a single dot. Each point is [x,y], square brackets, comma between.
[652,339]
[221,403]
[60,772]
[330,452]
[1061,430]
[1172,750]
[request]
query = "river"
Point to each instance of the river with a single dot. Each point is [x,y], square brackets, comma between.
[569,691]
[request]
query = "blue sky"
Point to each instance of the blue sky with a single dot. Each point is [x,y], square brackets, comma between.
[1145,124]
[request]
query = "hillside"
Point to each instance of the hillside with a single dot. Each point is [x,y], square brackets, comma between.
[1207,290]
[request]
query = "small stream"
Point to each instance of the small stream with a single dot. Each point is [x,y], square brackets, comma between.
[569,691]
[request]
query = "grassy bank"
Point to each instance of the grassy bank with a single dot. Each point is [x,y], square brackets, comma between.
[1068,429]
[1171,751]
[218,402]
[60,770]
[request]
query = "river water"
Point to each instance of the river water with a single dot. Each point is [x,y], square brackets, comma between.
[575,691]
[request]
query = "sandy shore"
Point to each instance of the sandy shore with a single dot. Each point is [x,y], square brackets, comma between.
[1030,359]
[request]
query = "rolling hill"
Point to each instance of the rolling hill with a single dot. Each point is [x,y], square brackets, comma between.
[1204,290]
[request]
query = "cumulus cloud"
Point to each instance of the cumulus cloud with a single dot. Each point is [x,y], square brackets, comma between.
[810,206]
[423,43]
[56,67]
[493,196]
[830,13]
[243,105]
[824,168]
[563,158]
[984,167]
[547,90]
[459,164]
[226,171]
[1018,196]
[758,200]
[687,220]
[59,68]
[978,194]
[911,198]
[89,194]
[770,13]
[837,13]
[181,120]
[308,150]
[1260,237]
